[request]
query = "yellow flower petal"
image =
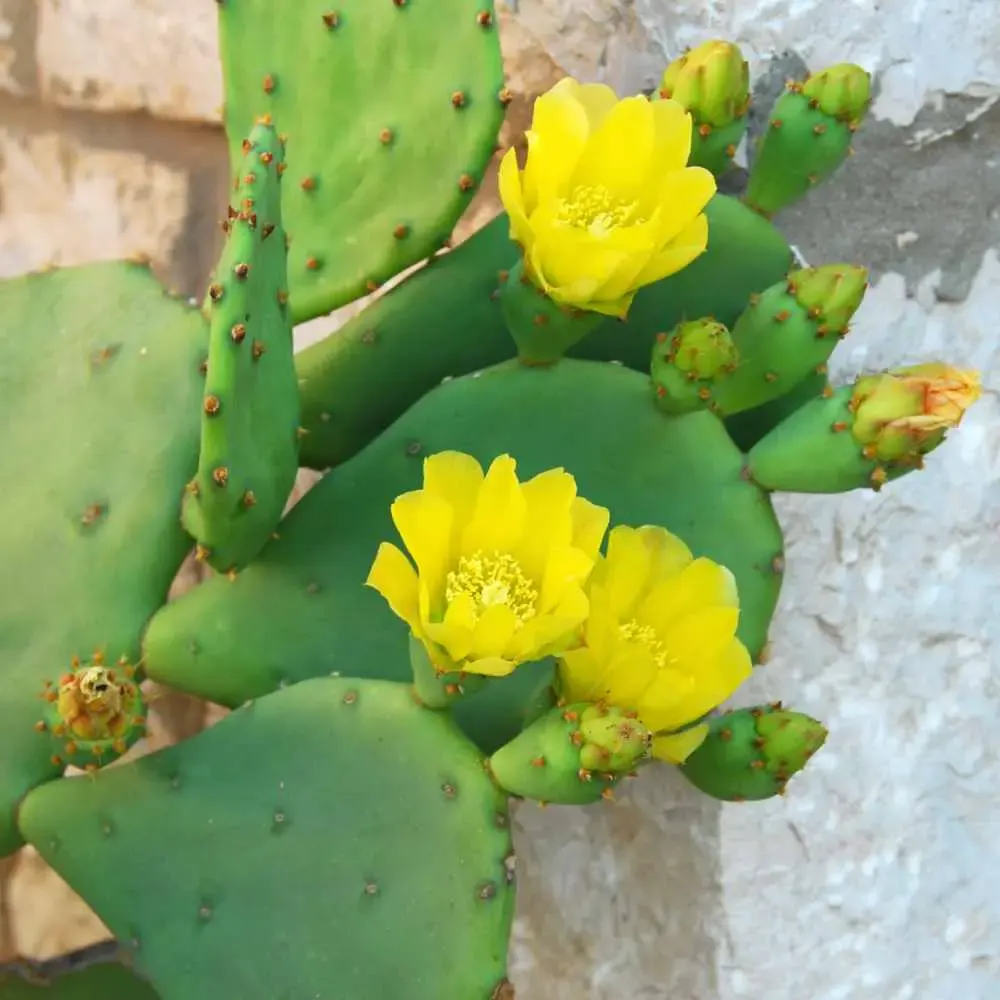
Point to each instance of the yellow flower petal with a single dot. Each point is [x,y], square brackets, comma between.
[689,245]
[677,748]
[490,666]
[498,520]
[672,126]
[565,567]
[702,583]
[625,570]
[590,522]
[456,478]
[455,633]
[669,554]
[547,521]
[702,635]
[619,153]
[682,197]
[493,632]
[512,196]
[423,521]
[597,99]
[560,129]
[394,577]
[632,669]
[582,677]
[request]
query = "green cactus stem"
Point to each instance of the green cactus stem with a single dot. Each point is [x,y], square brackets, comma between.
[250,410]
[391,109]
[572,755]
[751,754]
[713,82]
[94,713]
[435,689]
[542,329]
[865,434]
[788,333]
[109,980]
[287,845]
[689,362]
[808,137]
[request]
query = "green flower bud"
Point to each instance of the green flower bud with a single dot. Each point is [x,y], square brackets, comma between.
[712,81]
[842,91]
[613,742]
[832,293]
[695,353]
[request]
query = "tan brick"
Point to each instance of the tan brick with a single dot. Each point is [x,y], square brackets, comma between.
[75,189]
[18,29]
[159,56]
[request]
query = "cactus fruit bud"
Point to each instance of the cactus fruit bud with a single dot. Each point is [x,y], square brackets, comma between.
[95,713]
[752,753]
[903,414]
[687,361]
[866,434]
[831,294]
[572,755]
[712,81]
[843,91]
[789,332]
[810,133]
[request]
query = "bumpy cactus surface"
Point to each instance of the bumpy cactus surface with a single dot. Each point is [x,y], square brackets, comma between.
[543,554]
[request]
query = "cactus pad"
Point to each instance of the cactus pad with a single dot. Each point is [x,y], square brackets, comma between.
[301,609]
[106,980]
[98,397]
[250,410]
[254,860]
[391,109]
[445,320]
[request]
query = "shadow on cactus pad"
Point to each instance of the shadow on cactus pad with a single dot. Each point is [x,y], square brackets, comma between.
[302,610]
[107,981]
[391,111]
[282,852]
[101,433]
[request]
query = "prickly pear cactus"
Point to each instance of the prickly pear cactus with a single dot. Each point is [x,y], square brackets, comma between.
[543,556]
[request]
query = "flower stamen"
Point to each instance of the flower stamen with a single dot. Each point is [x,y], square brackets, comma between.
[492,578]
[594,208]
[645,635]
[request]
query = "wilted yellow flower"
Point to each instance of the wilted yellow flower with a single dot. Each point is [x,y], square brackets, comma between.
[500,565]
[606,202]
[909,409]
[660,639]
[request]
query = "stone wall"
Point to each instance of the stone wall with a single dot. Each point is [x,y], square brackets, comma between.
[878,877]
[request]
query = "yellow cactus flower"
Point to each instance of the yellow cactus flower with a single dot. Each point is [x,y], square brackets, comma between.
[606,202]
[660,639]
[500,564]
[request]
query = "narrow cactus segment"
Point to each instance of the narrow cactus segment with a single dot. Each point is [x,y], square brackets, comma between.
[866,434]
[750,426]
[391,110]
[93,713]
[713,82]
[99,390]
[689,362]
[301,609]
[106,980]
[446,320]
[751,754]
[369,818]
[808,136]
[572,755]
[250,408]
[788,333]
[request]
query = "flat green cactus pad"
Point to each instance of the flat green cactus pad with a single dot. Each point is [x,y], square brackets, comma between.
[106,981]
[445,320]
[99,391]
[250,411]
[391,109]
[301,609]
[332,840]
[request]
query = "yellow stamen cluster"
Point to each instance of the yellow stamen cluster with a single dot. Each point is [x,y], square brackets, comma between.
[645,635]
[594,208]
[492,578]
